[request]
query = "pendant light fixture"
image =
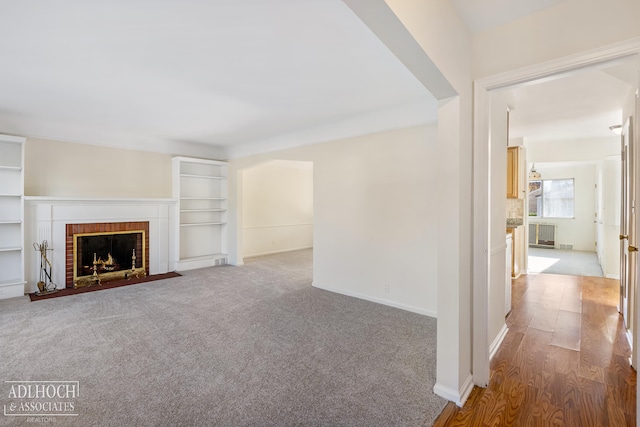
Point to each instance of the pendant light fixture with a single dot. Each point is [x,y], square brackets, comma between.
[533,173]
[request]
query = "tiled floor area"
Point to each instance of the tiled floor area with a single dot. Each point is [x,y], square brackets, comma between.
[556,261]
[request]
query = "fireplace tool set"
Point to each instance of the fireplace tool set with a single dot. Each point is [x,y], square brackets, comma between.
[45,284]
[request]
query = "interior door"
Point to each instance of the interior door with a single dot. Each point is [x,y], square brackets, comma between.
[624,228]
[629,251]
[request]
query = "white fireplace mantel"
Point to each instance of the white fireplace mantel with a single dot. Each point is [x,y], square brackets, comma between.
[46,219]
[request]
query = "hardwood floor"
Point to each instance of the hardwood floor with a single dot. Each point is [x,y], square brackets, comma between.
[565,360]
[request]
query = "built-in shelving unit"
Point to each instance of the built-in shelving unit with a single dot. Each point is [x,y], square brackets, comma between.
[12,279]
[201,189]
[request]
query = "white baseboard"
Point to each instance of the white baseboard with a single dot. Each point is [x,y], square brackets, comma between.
[13,290]
[456,396]
[280,251]
[390,303]
[201,262]
[467,388]
[495,345]
[612,276]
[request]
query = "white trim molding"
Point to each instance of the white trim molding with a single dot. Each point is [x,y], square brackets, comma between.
[481,230]
[457,397]
[495,345]
[281,251]
[561,67]
[390,303]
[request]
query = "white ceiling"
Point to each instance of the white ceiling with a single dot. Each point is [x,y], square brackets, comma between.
[231,78]
[481,15]
[581,106]
[228,74]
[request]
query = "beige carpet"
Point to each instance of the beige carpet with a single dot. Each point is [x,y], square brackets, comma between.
[232,346]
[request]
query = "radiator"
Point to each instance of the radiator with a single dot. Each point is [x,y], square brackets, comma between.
[542,235]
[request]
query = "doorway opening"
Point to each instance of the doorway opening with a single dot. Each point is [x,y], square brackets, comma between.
[570,230]
[571,209]
[486,169]
[277,207]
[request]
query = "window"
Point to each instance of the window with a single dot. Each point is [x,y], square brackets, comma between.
[551,198]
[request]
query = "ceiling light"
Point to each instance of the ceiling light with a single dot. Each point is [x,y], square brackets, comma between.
[617,129]
[533,173]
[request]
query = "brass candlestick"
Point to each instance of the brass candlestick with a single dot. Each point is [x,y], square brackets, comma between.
[96,279]
[133,264]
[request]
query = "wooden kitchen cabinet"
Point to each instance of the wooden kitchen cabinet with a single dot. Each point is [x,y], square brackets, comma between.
[515,173]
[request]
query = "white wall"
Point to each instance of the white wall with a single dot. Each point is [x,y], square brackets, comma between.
[580,230]
[571,26]
[604,153]
[375,215]
[55,168]
[581,150]
[438,28]
[278,207]
[375,219]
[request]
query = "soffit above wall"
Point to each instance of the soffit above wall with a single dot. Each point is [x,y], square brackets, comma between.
[214,76]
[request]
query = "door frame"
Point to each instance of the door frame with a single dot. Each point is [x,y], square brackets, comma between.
[624,219]
[628,293]
[623,225]
[482,173]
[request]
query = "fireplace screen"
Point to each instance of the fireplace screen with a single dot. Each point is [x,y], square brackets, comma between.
[106,256]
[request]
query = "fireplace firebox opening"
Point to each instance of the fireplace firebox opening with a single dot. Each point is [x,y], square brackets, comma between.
[104,252]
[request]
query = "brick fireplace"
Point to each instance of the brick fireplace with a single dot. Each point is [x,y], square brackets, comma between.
[79,263]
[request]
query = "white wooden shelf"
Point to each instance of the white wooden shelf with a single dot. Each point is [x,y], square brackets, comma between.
[200,186]
[203,210]
[203,198]
[12,271]
[189,175]
[193,224]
